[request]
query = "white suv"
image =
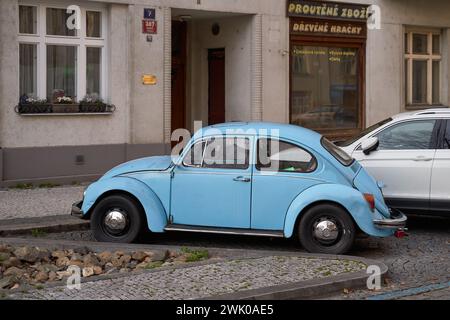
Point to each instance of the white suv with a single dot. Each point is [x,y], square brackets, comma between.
[410,154]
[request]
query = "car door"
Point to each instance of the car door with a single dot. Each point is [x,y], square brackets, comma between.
[282,170]
[403,162]
[440,177]
[212,185]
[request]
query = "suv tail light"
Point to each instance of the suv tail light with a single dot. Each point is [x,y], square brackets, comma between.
[370,200]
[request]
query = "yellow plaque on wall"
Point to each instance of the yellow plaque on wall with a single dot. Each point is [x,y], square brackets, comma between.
[148,79]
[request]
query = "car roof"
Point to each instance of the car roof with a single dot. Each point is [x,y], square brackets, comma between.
[286,131]
[425,113]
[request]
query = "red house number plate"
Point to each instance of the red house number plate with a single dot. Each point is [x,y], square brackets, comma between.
[149,26]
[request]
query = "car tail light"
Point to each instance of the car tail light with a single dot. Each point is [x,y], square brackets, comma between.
[370,200]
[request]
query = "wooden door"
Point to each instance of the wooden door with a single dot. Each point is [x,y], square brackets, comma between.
[216,86]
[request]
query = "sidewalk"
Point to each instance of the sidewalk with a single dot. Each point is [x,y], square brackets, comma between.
[38,202]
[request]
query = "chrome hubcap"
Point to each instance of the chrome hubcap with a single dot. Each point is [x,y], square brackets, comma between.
[116,220]
[326,230]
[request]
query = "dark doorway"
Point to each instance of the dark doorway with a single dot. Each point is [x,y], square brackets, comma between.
[216,86]
[179,36]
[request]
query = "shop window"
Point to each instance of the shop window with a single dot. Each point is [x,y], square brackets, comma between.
[325,87]
[422,68]
[56,59]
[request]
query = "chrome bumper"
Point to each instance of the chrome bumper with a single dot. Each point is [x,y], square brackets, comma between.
[76,210]
[397,221]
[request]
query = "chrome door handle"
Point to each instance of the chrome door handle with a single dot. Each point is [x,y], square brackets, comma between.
[422,158]
[242,179]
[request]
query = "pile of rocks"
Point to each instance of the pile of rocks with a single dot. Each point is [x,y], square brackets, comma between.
[34,266]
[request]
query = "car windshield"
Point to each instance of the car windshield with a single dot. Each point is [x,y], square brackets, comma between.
[348,142]
[336,152]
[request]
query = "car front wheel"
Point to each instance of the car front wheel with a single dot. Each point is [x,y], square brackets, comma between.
[116,218]
[326,229]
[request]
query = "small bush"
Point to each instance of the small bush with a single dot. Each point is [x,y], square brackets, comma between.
[37,233]
[154,264]
[195,255]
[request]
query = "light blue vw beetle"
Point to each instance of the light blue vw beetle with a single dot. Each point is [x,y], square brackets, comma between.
[260,179]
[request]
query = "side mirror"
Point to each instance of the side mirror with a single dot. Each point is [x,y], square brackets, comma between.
[369,145]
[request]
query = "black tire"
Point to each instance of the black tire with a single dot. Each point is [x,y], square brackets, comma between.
[345,230]
[126,206]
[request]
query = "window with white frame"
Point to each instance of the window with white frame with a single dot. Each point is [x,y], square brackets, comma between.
[55,59]
[422,68]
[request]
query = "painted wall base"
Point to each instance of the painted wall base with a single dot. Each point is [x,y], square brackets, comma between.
[68,164]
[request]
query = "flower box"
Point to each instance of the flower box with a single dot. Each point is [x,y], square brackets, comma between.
[25,108]
[65,107]
[93,107]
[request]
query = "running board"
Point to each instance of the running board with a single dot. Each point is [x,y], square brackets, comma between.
[235,231]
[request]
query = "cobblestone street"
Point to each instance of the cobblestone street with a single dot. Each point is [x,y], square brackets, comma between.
[421,258]
[418,260]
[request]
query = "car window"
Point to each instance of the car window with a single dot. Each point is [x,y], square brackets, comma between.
[194,157]
[339,154]
[362,133]
[447,136]
[407,136]
[280,156]
[227,153]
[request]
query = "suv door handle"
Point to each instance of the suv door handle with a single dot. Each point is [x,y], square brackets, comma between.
[242,179]
[422,158]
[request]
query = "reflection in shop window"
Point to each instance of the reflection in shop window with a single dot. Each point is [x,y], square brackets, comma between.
[325,87]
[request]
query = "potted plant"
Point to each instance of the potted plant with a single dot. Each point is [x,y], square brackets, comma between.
[92,103]
[33,105]
[63,103]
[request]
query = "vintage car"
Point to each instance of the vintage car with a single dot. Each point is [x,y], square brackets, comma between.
[261,179]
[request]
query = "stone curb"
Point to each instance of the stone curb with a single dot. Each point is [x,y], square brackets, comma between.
[58,223]
[307,289]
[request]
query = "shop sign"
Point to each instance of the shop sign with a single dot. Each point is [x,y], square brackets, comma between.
[149,26]
[304,26]
[327,10]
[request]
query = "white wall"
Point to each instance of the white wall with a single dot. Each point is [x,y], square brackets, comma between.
[35,131]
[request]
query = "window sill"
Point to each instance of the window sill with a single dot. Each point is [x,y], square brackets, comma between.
[65,114]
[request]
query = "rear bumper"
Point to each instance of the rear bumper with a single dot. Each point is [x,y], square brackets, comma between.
[76,210]
[397,221]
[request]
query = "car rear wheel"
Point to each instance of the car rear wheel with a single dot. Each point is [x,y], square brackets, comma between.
[326,229]
[116,218]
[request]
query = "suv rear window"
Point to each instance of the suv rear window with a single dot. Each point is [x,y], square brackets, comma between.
[336,152]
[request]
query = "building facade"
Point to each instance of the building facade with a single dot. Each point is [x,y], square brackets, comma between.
[159,65]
